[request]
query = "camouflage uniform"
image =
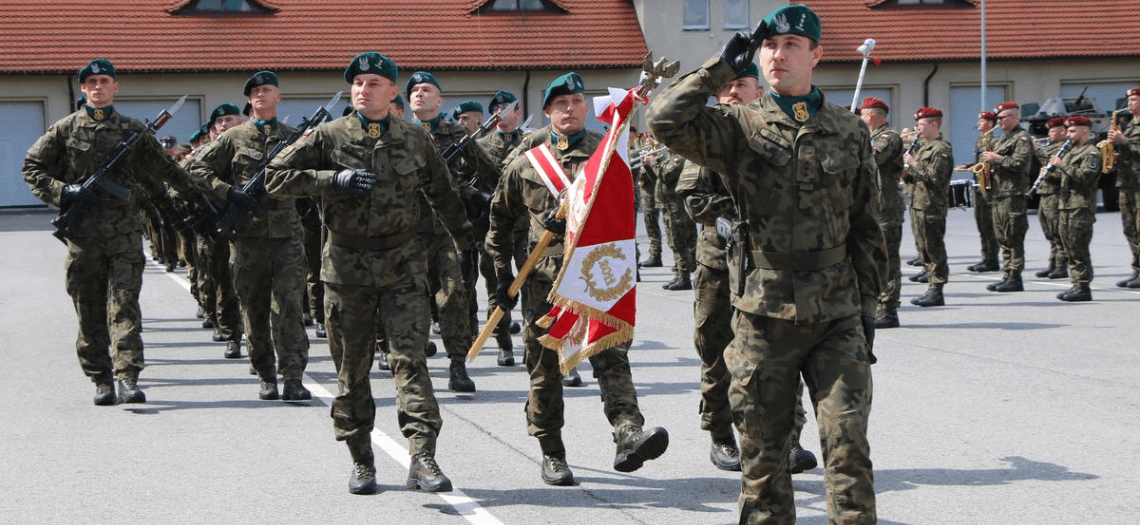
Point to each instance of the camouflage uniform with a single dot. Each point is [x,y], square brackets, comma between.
[1078,173]
[983,211]
[1048,211]
[888,149]
[498,145]
[374,266]
[314,290]
[682,229]
[522,194]
[933,163]
[104,264]
[1010,183]
[706,200]
[650,212]
[809,195]
[267,257]
[1128,182]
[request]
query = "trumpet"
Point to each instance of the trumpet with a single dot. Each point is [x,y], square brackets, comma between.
[1107,149]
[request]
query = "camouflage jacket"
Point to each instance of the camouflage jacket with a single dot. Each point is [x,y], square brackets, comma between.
[809,194]
[1049,184]
[497,145]
[1080,171]
[887,146]
[231,161]
[1011,170]
[668,172]
[73,149]
[472,170]
[933,164]
[706,199]
[521,193]
[404,161]
[1128,165]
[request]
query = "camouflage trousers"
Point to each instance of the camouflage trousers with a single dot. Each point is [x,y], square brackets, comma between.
[1049,214]
[490,283]
[984,218]
[1010,226]
[544,404]
[1130,217]
[104,279]
[766,359]
[352,316]
[650,215]
[892,286]
[930,234]
[216,288]
[314,289]
[269,275]
[190,255]
[1076,234]
[682,237]
[450,294]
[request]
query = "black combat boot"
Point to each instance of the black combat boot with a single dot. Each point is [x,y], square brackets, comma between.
[295,391]
[555,471]
[515,327]
[233,349]
[653,261]
[506,348]
[268,391]
[129,391]
[363,477]
[105,393]
[1077,294]
[431,349]
[724,454]
[1125,282]
[800,460]
[459,382]
[218,337]
[917,261]
[678,283]
[1043,274]
[1011,284]
[984,266]
[635,446]
[321,332]
[887,320]
[932,297]
[1060,272]
[201,315]
[920,277]
[993,286]
[572,378]
[425,475]
[207,323]
[382,356]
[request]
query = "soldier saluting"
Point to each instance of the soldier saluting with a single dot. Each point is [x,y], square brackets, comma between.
[807,258]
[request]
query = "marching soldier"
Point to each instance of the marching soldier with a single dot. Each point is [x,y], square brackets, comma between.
[807,259]
[706,199]
[682,230]
[650,212]
[523,194]
[929,167]
[887,146]
[1047,210]
[983,210]
[1127,145]
[1010,160]
[448,284]
[468,114]
[1078,172]
[364,171]
[104,264]
[268,257]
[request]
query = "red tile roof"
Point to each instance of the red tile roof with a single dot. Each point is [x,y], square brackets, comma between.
[1015,29]
[60,36]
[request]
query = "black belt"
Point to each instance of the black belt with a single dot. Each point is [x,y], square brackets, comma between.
[800,261]
[370,243]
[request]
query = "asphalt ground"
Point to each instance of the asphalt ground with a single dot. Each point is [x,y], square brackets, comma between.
[997,408]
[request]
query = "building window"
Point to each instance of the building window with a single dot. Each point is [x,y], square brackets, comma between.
[195,7]
[501,6]
[695,15]
[735,14]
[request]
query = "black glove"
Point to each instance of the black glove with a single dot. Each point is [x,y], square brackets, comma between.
[77,193]
[244,201]
[554,224]
[467,264]
[869,334]
[358,182]
[739,51]
[503,297]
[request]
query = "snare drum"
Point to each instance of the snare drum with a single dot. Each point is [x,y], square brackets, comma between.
[961,194]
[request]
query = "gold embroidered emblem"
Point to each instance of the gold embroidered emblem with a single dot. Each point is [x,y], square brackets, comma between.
[268,130]
[563,142]
[98,114]
[427,126]
[801,111]
[601,256]
[373,130]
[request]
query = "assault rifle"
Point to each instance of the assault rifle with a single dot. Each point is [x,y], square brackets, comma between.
[637,161]
[1049,168]
[256,186]
[69,213]
[453,150]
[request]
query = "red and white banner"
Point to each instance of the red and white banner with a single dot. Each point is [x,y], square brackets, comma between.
[594,297]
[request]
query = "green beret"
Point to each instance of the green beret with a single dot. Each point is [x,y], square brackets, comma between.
[796,19]
[564,85]
[750,71]
[398,101]
[260,78]
[81,102]
[99,66]
[465,106]
[248,107]
[421,77]
[223,110]
[202,132]
[347,110]
[371,63]
[501,98]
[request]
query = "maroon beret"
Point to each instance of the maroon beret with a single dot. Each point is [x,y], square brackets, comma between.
[925,112]
[988,115]
[1004,106]
[872,102]
[1133,91]
[1058,122]
[1078,121]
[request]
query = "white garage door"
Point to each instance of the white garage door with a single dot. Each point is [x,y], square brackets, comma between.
[23,124]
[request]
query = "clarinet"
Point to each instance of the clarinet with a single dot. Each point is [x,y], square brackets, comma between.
[1049,169]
